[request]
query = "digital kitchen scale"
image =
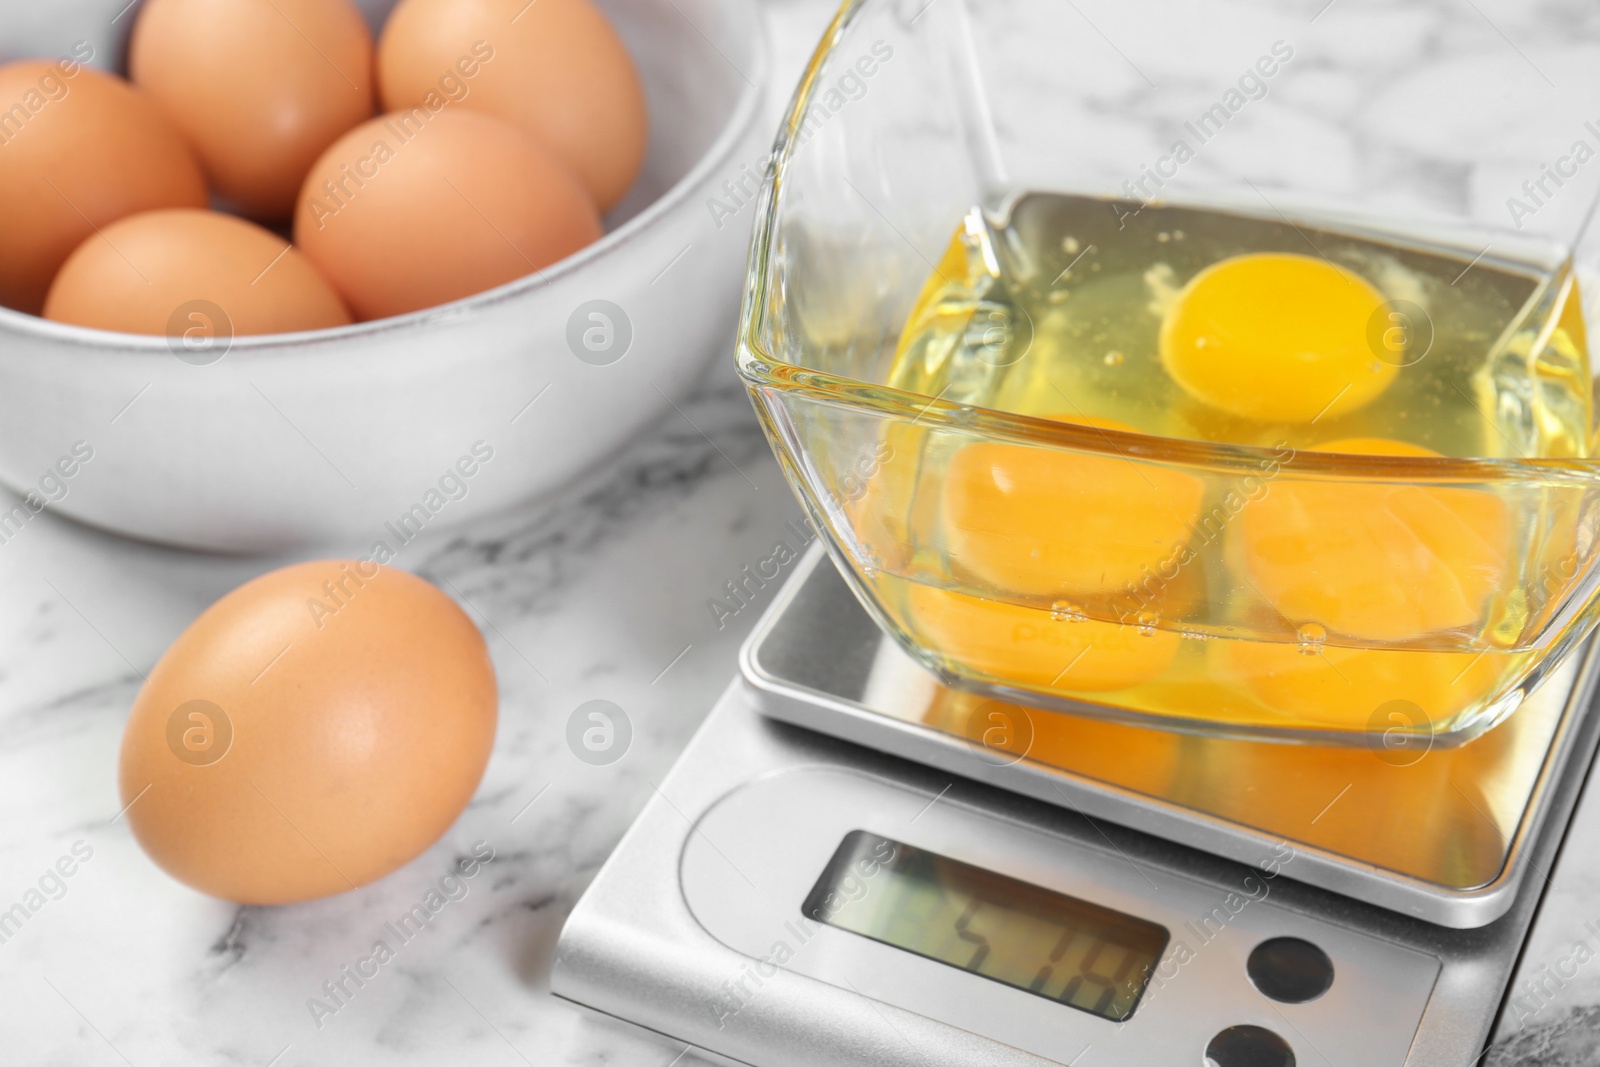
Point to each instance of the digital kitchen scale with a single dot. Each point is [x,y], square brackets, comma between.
[840,870]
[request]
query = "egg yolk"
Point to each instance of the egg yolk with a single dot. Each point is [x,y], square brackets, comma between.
[1139,757]
[1029,647]
[1343,688]
[1275,338]
[1375,560]
[1041,521]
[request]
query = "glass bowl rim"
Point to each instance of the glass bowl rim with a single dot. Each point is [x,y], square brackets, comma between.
[763,370]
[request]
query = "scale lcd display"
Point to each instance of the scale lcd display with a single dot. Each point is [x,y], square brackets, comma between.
[1035,939]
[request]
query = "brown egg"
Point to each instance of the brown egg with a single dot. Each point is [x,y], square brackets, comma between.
[556,68]
[183,271]
[413,210]
[259,87]
[79,148]
[310,732]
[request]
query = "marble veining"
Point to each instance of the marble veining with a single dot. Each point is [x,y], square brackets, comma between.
[599,592]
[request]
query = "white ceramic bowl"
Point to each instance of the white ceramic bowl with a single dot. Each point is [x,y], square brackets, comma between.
[338,435]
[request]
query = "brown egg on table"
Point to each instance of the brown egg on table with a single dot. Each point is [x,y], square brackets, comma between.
[259,87]
[413,210]
[79,149]
[192,275]
[555,68]
[310,732]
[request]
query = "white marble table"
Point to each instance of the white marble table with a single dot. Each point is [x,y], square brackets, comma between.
[599,593]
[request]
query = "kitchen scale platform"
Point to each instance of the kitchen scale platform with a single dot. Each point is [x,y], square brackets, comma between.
[1456,822]
[863,884]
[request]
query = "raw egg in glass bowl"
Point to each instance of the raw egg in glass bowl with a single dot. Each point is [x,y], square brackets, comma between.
[210,437]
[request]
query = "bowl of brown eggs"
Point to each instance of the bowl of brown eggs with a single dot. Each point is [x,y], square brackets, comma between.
[286,272]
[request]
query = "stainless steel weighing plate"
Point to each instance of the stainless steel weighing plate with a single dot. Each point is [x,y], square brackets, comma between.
[1442,835]
[790,899]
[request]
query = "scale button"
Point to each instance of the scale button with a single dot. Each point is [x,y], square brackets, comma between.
[1248,1046]
[1290,970]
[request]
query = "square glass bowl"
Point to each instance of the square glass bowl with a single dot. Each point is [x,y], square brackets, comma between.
[982,288]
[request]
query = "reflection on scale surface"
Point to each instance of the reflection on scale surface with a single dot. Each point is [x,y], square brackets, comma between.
[1438,827]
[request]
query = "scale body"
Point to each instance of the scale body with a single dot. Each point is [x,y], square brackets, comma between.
[697,927]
